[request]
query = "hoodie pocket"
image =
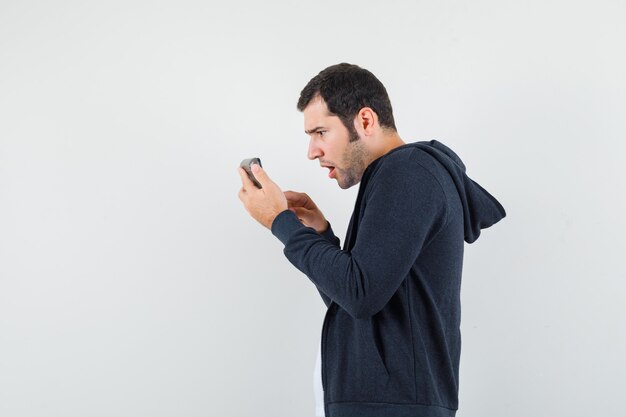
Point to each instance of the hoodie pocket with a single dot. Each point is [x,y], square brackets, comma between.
[391,358]
[375,337]
[390,333]
[367,360]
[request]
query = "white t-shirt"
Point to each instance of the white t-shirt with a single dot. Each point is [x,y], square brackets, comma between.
[317,384]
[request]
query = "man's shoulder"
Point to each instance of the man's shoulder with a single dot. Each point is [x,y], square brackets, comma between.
[409,159]
[411,168]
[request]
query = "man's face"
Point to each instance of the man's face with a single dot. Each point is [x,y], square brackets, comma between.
[330,142]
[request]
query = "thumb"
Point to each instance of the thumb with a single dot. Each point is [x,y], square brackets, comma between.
[259,173]
[301,212]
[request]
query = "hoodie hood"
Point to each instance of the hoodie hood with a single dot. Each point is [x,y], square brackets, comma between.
[480,209]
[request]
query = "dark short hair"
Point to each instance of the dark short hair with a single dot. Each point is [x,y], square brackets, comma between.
[346,89]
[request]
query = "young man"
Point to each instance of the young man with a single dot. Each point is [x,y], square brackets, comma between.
[391,337]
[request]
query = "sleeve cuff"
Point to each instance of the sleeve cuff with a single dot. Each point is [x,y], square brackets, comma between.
[285,225]
[328,233]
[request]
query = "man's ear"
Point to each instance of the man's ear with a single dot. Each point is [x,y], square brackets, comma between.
[365,121]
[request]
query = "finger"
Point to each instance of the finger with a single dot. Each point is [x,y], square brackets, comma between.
[299,199]
[292,195]
[291,199]
[301,212]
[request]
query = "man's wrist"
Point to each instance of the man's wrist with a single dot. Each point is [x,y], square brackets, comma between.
[273,218]
[285,224]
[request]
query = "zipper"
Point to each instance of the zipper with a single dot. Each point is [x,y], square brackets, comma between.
[323,367]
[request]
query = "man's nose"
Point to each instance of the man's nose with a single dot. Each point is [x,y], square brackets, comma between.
[314,151]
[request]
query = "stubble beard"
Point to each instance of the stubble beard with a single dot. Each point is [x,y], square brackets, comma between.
[354,159]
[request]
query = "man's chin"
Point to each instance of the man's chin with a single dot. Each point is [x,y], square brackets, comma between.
[345,186]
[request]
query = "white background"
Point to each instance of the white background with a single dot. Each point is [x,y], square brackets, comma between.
[134,283]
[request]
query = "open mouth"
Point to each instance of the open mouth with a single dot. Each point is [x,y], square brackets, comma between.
[331,173]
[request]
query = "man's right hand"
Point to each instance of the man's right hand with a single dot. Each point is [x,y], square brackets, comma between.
[306,210]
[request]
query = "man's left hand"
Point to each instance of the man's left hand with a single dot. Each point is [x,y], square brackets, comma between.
[263,204]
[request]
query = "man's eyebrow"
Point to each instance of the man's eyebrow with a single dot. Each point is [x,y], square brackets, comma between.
[315,129]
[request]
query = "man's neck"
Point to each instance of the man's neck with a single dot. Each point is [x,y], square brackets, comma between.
[387,143]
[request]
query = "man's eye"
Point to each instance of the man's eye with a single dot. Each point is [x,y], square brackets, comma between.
[321,132]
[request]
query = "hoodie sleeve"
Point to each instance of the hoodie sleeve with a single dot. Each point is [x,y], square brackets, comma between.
[405,208]
[329,235]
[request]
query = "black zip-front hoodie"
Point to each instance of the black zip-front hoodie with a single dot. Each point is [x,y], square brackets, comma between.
[391,338]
